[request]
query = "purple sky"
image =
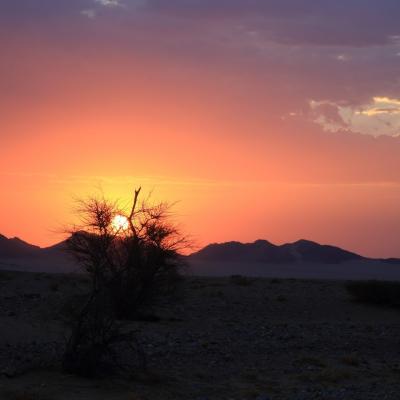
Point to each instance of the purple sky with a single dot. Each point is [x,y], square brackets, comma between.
[264,91]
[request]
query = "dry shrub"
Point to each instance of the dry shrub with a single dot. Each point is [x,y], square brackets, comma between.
[376,292]
[129,265]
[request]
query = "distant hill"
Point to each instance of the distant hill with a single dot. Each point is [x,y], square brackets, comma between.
[15,254]
[60,247]
[16,248]
[266,252]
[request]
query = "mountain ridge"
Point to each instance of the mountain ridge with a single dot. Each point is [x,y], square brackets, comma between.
[266,252]
[16,247]
[261,251]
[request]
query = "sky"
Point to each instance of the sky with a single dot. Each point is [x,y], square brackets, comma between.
[256,118]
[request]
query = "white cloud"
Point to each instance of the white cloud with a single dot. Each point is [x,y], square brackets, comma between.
[379,117]
[109,3]
[90,13]
[342,57]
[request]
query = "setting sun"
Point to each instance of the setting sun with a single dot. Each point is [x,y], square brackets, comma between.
[120,223]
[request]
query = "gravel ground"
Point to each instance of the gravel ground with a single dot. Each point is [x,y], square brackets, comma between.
[225,338]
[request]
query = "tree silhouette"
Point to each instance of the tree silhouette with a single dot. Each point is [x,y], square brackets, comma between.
[129,264]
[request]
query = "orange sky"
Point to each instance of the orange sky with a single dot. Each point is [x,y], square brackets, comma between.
[250,137]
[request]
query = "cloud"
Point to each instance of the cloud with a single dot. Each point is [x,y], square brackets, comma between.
[89,13]
[92,13]
[299,22]
[108,3]
[379,117]
[353,23]
[342,55]
[328,115]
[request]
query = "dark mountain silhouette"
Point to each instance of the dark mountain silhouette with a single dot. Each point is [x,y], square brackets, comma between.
[57,248]
[15,248]
[266,252]
[17,254]
[308,251]
[259,251]
[394,261]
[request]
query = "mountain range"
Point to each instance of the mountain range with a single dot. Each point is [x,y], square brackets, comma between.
[16,254]
[260,251]
[17,248]
[263,251]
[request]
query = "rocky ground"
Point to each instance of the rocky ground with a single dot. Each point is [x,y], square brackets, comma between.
[239,339]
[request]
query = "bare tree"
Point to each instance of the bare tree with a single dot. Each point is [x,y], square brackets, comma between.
[130,257]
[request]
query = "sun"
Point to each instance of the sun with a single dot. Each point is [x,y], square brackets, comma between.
[120,223]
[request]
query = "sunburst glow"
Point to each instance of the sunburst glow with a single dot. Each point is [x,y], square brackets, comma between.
[120,223]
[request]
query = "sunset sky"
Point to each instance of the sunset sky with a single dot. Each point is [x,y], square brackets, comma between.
[275,119]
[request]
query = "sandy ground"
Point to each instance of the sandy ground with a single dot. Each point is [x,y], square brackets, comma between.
[355,270]
[352,270]
[224,339]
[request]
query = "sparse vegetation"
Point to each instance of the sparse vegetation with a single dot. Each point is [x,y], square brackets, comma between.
[380,293]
